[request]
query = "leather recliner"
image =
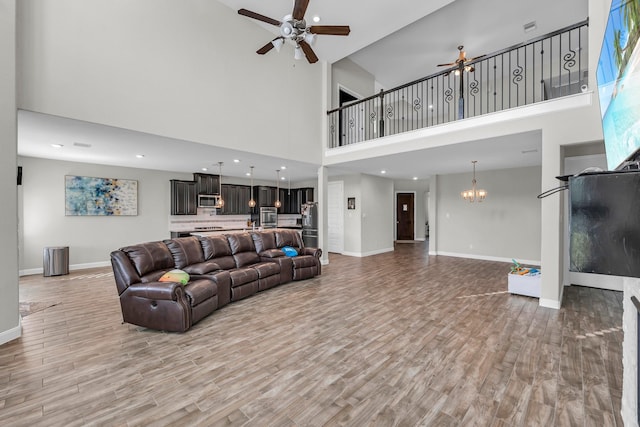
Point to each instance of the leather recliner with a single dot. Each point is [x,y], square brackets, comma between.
[147,302]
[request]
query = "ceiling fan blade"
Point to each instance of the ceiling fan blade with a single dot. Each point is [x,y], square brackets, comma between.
[299,8]
[259,17]
[264,49]
[308,52]
[331,30]
[447,65]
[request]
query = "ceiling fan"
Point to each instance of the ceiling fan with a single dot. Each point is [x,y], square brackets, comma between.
[293,27]
[462,61]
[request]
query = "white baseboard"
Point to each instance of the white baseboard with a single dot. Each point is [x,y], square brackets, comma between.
[550,303]
[486,258]
[31,271]
[364,254]
[11,334]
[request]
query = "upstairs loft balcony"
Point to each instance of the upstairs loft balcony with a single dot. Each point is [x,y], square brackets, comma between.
[549,67]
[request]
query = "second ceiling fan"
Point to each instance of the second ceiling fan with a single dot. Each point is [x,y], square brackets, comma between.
[293,27]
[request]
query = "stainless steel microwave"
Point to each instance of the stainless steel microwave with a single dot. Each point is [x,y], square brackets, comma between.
[208,200]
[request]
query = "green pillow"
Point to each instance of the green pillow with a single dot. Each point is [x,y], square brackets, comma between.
[177,276]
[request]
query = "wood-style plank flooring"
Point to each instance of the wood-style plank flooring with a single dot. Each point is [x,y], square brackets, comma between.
[394,339]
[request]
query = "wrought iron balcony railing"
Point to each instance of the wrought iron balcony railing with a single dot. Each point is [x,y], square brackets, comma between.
[548,67]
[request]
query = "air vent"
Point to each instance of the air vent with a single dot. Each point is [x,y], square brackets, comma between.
[530,26]
[81,144]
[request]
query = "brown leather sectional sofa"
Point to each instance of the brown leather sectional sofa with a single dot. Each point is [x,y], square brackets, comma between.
[222,269]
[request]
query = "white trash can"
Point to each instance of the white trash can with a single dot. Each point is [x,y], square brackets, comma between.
[55,260]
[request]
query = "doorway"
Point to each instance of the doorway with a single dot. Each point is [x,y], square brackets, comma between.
[405,203]
[344,98]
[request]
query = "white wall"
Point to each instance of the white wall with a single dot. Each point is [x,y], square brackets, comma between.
[90,238]
[420,187]
[183,69]
[348,75]
[9,318]
[352,217]
[505,226]
[377,214]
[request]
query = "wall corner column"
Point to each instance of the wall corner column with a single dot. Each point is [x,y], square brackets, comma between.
[551,225]
[10,327]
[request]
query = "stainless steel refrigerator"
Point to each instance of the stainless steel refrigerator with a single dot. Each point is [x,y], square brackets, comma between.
[310,224]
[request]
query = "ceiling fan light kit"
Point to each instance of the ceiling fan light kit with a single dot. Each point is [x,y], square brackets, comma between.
[294,28]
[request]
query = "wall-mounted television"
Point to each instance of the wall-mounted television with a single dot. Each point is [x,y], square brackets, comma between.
[618,78]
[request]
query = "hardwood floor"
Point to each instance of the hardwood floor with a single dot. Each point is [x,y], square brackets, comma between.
[394,339]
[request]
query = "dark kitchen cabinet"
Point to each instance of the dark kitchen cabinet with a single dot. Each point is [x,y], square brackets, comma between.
[207,183]
[306,195]
[236,199]
[183,197]
[266,196]
[290,200]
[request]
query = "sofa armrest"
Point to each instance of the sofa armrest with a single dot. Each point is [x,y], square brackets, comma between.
[316,252]
[169,291]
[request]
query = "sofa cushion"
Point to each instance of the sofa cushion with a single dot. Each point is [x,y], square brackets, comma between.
[266,269]
[149,257]
[288,238]
[200,290]
[185,250]
[264,240]
[243,249]
[202,267]
[241,276]
[215,247]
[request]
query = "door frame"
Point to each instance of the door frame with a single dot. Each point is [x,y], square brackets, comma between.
[395,213]
[335,185]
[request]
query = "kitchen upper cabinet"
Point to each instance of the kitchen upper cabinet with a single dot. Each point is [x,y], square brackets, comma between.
[207,183]
[290,201]
[306,195]
[236,199]
[183,197]
[266,196]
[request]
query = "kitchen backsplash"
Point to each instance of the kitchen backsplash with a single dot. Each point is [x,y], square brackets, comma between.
[190,222]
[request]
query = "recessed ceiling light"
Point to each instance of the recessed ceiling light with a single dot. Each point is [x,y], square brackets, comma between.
[415,178]
[57,145]
[430,106]
[236,161]
[283,167]
[248,173]
[282,178]
[383,171]
[140,156]
[204,169]
[316,18]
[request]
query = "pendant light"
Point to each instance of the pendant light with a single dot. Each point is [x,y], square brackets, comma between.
[220,200]
[277,204]
[252,202]
[474,195]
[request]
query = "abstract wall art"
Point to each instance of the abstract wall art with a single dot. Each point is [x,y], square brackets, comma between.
[85,195]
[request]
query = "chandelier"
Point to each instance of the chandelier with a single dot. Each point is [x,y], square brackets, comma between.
[474,194]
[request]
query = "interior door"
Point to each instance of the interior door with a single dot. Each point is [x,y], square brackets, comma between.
[404,216]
